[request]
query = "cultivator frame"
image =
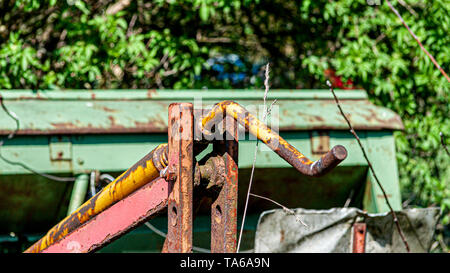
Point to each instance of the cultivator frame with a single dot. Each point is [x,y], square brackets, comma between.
[167,178]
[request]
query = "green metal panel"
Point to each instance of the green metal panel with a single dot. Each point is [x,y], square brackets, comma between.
[106,112]
[114,153]
[381,152]
[176,95]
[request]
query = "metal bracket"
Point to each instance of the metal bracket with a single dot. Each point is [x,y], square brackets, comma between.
[224,209]
[181,178]
[60,148]
[359,237]
[222,173]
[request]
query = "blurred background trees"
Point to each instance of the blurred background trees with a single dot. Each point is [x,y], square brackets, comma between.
[107,44]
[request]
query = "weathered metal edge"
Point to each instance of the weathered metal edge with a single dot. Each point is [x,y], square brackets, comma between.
[169,94]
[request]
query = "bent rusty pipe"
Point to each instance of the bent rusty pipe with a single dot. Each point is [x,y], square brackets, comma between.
[275,142]
[144,171]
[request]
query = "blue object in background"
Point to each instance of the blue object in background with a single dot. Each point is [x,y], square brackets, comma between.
[231,67]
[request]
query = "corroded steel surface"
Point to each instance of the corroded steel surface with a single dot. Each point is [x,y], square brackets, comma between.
[181,162]
[179,95]
[280,146]
[224,208]
[143,111]
[135,177]
[359,237]
[212,172]
[115,221]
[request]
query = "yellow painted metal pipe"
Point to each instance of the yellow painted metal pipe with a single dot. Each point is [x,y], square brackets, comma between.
[280,146]
[141,173]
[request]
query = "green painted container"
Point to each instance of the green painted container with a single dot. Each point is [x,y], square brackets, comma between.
[74,132]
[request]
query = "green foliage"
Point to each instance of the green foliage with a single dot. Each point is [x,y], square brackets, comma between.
[78,45]
[166,44]
[377,52]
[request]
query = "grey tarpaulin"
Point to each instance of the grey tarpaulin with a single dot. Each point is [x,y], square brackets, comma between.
[331,230]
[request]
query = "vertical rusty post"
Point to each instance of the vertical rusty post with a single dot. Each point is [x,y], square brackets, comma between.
[224,209]
[359,237]
[180,176]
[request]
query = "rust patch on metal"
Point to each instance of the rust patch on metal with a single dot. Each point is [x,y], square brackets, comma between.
[64,125]
[155,125]
[107,109]
[359,237]
[393,122]
[380,196]
[224,208]
[152,126]
[181,162]
[112,120]
[151,92]
[88,130]
[309,117]
[320,142]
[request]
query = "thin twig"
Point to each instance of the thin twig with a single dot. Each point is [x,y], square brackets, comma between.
[394,216]
[118,6]
[417,39]
[408,7]
[162,234]
[349,199]
[266,91]
[202,39]
[196,248]
[131,25]
[13,116]
[286,209]
[266,83]
[443,142]
[270,107]
[265,114]
[248,194]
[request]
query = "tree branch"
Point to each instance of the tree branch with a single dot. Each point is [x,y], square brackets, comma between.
[394,216]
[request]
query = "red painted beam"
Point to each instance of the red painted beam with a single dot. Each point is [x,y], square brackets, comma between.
[116,221]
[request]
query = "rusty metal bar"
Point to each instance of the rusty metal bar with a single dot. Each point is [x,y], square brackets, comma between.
[224,208]
[122,217]
[359,237]
[141,173]
[275,142]
[128,213]
[181,178]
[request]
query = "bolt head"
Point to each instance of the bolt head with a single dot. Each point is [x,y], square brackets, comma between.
[168,173]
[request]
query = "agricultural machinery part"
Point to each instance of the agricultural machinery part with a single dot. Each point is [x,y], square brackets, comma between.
[168,176]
